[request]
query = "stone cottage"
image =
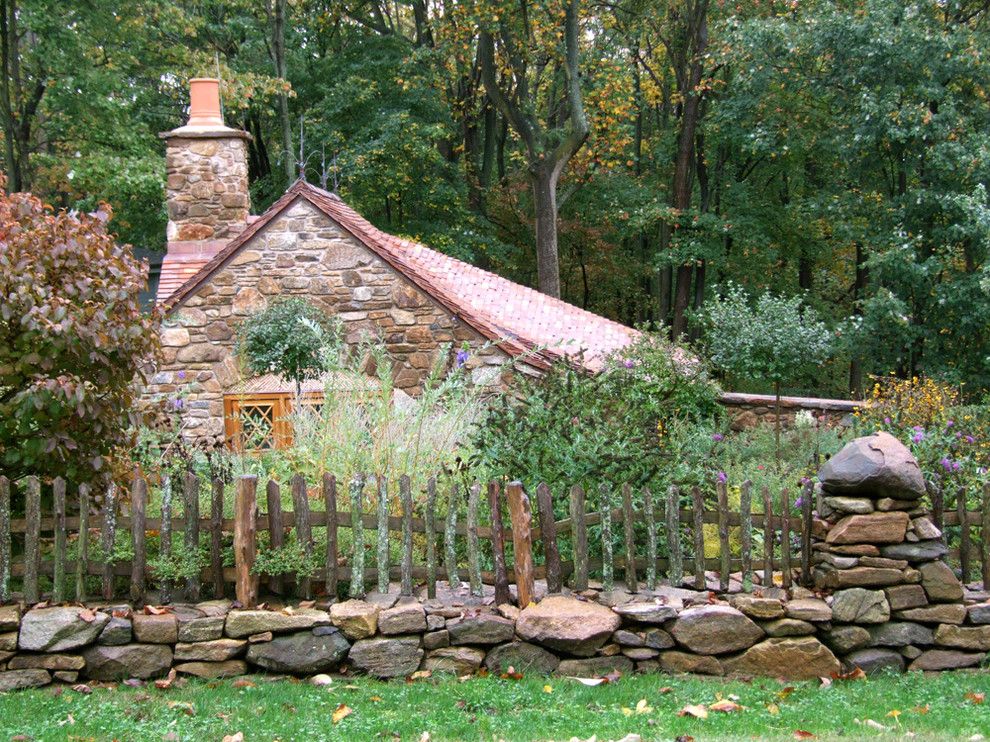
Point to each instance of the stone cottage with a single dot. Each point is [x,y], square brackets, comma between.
[224,264]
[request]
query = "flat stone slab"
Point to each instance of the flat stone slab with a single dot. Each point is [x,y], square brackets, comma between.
[946,659]
[216,650]
[213,670]
[803,658]
[23,679]
[302,653]
[60,629]
[386,657]
[567,625]
[875,528]
[649,613]
[243,623]
[143,661]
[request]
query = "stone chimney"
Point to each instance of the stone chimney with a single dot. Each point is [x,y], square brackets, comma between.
[206,164]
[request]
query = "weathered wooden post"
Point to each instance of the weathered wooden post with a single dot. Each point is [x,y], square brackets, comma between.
[651,539]
[58,578]
[216,536]
[450,553]
[698,508]
[548,534]
[108,537]
[5,555]
[276,531]
[785,538]
[82,560]
[807,496]
[405,494]
[605,507]
[430,519]
[246,540]
[767,538]
[357,538]
[330,504]
[746,533]
[190,510]
[498,544]
[724,555]
[32,539]
[964,539]
[522,547]
[579,538]
[165,535]
[675,567]
[304,531]
[382,555]
[630,538]
[139,501]
[984,536]
[474,556]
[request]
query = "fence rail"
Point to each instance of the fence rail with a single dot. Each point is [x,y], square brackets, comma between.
[631,524]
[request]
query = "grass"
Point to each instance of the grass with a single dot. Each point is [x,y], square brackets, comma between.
[486,708]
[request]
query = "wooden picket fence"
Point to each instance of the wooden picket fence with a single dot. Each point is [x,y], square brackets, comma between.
[786,538]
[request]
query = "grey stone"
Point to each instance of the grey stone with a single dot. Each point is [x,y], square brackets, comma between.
[58,629]
[949,613]
[141,661]
[715,629]
[567,625]
[456,660]
[899,634]
[878,465]
[10,617]
[925,529]
[874,660]
[940,582]
[484,628]
[201,629]
[386,658]
[301,653]
[921,551]
[658,639]
[678,663]
[116,632]
[856,505]
[639,654]
[244,623]
[405,618]
[216,650]
[46,662]
[788,627]
[946,659]
[594,667]
[845,639]
[21,679]
[648,613]
[905,596]
[522,657]
[808,609]
[979,613]
[857,605]
[436,639]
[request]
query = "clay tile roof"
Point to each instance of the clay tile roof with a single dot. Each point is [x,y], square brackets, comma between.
[522,320]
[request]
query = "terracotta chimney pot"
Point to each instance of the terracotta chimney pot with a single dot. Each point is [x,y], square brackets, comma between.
[204,102]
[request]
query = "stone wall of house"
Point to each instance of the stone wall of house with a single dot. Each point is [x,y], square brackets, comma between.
[746,411]
[304,253]
[207,184]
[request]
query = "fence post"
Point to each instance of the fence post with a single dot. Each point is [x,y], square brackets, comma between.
[767,538]
[32,537]
[139,499]
[522,547]
[964,540]
[216,536]
[382,556]
[548,534]
[58,573]
[746,533]
[474,563]
[405,494]
[630,538]
[498,544]
[190,510]
[165,535]
[357,538]
[675,564]
[698,514]
[430,518]
[246,539]
[937,496]
[108,538]
[651,540]
[4,539]
[450,554]
[984,536]
[304,531]
[806,497]
[276,531]
[82,560]
[330,503]
[579,531]
[785,538]
[608,567]
[724,564]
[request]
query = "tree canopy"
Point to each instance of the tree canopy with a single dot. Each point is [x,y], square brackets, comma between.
[836,150]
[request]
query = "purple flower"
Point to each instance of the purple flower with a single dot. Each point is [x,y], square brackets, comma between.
[918,429]
[918,437]
[177,403]
[970,439]
[181,375]
[946,463]
[798,502]
[723,477]
[886,421]
[462,356]
[956,466]
[628,363]
[718,437]
[950,423]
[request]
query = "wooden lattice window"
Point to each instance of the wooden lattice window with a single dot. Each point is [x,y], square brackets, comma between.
[257,422]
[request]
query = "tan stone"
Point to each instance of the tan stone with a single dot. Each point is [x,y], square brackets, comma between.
[249,301]
[901,597]
[715,629]
[213,670]
[679,663]
[760,608]
[356,618]
[948,613]
[215,650]
[875,528]
[155,629]
[567,625]
[803,658]
[940,582]
[963,637]
[175,337]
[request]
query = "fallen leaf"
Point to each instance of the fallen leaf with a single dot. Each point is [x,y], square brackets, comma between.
[155,610]
[825,682]
[697,711]
[121,613]
[725,706]
[642,707]
[238,737]
[921,709]
[166,682]
[375,699]
[342,712]
[666,689]
[976,698]
[87,615]
[590,682]
[548,689]
[684,738]
[420,675]
[511,674]
[773,708]
[802,734]
[243,684]
[785,692]
[82,688]
[855,674]
[187,708]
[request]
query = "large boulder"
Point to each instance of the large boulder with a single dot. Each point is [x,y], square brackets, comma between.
[142,661]
[241,624]
[303,653]
[60,629]
[567,625]
[802,658]
[857,605]
[387,658]
[522,657]
[715,629]
[878,465]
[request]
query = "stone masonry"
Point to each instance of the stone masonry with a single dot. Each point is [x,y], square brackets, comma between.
[304,253]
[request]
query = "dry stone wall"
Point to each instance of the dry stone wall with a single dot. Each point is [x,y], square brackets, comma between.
[304,253]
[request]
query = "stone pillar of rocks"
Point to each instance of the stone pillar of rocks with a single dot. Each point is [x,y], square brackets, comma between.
[206,165]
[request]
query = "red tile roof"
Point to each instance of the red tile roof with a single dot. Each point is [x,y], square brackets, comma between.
[522,320]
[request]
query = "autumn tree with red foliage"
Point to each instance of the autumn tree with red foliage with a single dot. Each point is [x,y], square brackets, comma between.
[73,340]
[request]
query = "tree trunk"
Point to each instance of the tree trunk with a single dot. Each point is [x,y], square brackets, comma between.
[278,49]
[859,288]
[776,422]
[545,210]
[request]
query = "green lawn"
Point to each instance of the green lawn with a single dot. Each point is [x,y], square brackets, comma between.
[486,708]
